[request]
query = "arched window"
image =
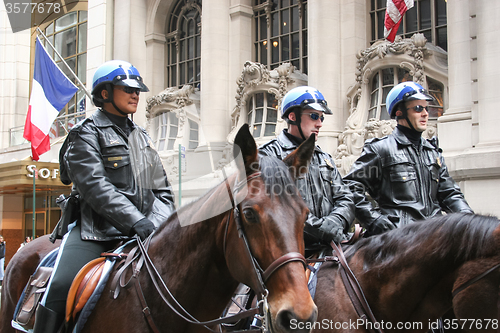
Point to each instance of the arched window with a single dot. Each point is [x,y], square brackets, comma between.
[68,34]
[193,134]
[164,130]
[281,33]
[436,89]
[382,83]
[427,17]
[385,79]
[184,44]
[262,114]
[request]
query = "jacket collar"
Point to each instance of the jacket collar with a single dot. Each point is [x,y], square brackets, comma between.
[285,141]
[403,140]
[101,120]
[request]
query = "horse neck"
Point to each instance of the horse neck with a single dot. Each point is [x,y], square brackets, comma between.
[426,266]
[192,263]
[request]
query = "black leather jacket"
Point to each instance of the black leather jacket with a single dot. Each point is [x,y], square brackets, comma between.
[329,200]
[119,179]
[408,182]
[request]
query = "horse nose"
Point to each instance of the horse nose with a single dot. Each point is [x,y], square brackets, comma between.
[288,321]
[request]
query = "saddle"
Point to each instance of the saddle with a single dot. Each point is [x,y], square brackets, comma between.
[83,287]
[85,290]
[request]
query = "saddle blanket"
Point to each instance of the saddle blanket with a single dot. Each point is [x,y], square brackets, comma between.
[49,261]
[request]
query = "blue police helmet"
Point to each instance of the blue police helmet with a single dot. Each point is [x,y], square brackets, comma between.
[119,73]
[304,97]
[403,92]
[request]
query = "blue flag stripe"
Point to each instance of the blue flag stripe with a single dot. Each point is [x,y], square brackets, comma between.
[58,89]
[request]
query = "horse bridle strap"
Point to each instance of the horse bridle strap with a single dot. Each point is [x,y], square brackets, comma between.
[473,280]
[283,260]
[261,276]
[354,290]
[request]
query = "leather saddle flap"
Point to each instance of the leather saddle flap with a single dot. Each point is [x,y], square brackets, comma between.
[83,286]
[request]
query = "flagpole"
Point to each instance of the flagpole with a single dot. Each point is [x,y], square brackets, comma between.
[67,66]
[35,176]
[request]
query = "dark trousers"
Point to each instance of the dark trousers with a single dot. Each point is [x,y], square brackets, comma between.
[75,254]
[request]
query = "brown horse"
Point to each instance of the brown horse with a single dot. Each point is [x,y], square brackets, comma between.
[202,263]
[414,275]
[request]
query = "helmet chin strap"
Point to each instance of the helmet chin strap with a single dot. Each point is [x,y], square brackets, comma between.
[111,100]
[298,114]
[405,117]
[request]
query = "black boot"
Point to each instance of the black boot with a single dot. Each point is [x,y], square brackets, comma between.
[47,320]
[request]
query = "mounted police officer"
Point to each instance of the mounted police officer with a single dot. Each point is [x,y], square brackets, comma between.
[118,176]
[329,200]
[405,174]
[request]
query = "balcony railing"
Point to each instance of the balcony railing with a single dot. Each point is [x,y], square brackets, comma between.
[59,128]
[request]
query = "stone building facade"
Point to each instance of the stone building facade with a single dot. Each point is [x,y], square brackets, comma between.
[213,65]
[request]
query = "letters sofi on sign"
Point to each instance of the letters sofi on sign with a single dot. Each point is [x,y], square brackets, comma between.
[44,173]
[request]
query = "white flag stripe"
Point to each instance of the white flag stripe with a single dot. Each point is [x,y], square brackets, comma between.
[45,112]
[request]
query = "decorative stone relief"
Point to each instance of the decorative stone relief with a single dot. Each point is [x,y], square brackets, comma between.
[412,54]
[255,77]
[171,166]
[172,96]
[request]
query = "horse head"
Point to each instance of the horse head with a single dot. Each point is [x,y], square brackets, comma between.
[272,219]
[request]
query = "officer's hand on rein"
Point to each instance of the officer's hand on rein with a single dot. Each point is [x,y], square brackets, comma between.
[143,228]
[379,226]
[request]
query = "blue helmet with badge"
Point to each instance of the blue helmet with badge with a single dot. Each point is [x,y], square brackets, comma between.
[115,73]
[119,73]
[404,92]
[303,97]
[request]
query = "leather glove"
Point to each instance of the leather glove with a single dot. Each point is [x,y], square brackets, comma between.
[143,228]
[333,231]
[337,235]
[379,226]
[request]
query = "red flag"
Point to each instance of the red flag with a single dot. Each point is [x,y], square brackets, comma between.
[394,12]
[51,91]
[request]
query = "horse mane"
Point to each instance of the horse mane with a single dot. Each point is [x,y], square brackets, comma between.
[216,201]
[457,237]
[277,178]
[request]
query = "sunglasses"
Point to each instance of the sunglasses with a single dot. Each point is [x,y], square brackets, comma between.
[420,108]
[315,116]
[129,90]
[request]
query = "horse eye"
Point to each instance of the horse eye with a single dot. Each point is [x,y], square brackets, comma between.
[250,215]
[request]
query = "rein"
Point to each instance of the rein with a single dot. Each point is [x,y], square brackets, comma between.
[472,281]
[352,286]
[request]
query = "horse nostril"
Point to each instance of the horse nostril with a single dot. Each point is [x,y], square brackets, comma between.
[287,321]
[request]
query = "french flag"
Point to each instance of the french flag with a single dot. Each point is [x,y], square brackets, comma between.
[50,92]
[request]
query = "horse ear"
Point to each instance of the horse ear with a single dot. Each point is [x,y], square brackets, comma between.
[298,160]
[245,145]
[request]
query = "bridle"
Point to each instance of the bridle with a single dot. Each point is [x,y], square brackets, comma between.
[139,256]
[260,275]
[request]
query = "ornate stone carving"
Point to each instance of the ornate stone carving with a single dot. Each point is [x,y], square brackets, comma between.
[255,75]
[412,54]
[178,98]
[171,168]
